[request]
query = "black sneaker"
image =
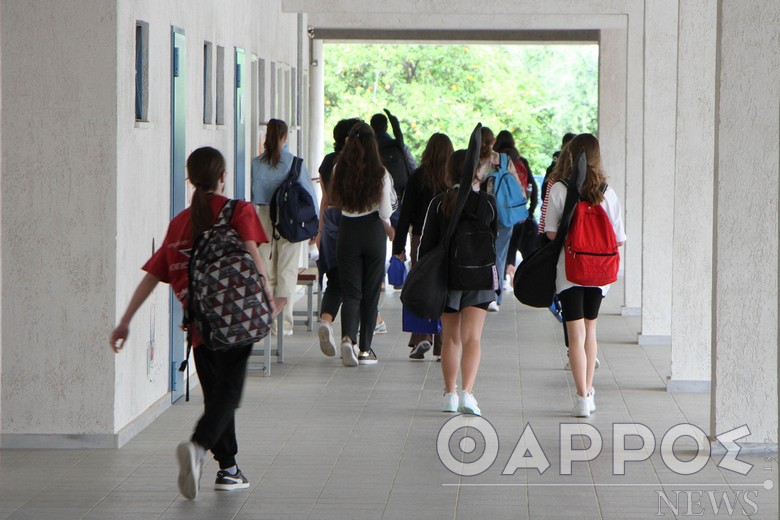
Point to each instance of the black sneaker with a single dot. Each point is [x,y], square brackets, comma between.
[419,350]
[228,482]
[367,357]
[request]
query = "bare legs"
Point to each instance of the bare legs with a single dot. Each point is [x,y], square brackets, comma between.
[583,348]
[461,331]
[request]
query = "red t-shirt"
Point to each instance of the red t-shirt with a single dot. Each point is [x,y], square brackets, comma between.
[170,262]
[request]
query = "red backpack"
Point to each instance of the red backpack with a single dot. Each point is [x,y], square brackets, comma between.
[592,257]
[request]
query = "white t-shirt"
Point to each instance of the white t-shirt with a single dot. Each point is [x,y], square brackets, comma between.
[555,204]
[385,205]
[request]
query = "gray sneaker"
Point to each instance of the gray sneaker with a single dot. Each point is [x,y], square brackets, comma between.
[348,352]
[327,341]
[189,469]
[419,350]
[229,482]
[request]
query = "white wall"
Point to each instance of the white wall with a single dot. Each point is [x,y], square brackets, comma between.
[58,216]
[143,166]
[85,191]
[745,304]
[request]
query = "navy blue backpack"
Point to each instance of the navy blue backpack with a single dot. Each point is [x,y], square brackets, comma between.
[293,210]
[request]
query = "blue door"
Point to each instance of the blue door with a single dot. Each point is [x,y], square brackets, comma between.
[178,195]
[240,127]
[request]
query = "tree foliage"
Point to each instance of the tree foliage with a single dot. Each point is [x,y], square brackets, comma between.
[536,92]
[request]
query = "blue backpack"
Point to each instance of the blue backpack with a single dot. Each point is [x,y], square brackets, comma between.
[510,198]
[292,208]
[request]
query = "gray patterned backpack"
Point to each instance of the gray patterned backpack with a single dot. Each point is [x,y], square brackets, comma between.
[227,300]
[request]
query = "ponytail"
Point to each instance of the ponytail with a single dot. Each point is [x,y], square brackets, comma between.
[205,168]
[276,130]
[454,167]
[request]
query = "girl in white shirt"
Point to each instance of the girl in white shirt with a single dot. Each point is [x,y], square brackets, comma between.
[364,191]
[581,304]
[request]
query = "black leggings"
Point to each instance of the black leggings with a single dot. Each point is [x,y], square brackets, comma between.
[581,302]
[361,254]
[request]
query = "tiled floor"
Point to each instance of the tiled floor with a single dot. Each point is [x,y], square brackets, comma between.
[321,441]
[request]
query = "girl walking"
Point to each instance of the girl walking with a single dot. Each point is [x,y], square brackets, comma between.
[269,170]
[581,304]
[364,191]
[428,180]
[465,310]
[221,372]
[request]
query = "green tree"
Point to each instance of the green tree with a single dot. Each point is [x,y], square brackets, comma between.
[536,92]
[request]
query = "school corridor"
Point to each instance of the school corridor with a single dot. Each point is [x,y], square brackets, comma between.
[322,441]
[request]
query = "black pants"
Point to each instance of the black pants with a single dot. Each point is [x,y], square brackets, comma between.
[331,297]
[361,254]
[221,374]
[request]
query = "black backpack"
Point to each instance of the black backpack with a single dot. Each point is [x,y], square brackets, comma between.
[226,300]
[394,161]
[293,211]
[472,263]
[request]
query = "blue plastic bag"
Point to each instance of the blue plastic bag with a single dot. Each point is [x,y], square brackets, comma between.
[410,322]
[396,272]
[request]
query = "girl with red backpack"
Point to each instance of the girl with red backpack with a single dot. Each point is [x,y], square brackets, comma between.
[581,302]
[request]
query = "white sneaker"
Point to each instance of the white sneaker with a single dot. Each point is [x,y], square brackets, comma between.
[450,402]
[493,306]
[380,328]
[468,404]
[592,399]
[581,407]
[190,463]
[327,341]
[349,352]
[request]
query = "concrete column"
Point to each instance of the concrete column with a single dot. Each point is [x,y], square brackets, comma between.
[631,260]
[745,300]
[316,105]
[612,121]
[692,262]
[659,166]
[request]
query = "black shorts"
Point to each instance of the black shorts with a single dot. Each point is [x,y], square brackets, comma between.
[483,306]
[581,302]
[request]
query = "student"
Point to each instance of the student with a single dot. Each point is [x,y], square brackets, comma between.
[269,170]
[428,180]
[489,162]
[465,310]
[394,155]
[524,234]
[581,304]
[363,189]
[221,372]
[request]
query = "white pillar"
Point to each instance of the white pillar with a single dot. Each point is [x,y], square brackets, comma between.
[692,265]
[659,165]
[612,122]
[745,299]
[316,105]
[631,260]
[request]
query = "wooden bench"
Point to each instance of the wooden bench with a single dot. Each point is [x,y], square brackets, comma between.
[264,347]
[309,278]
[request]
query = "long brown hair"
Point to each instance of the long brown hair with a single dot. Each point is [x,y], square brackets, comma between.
[486,149]
[434,162]
[205,167]
[454,168]
[357,180]
[595,176]
[272,149]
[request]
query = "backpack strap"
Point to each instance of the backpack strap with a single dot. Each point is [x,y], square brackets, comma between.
[226,213]
[295,169]
[503,158]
